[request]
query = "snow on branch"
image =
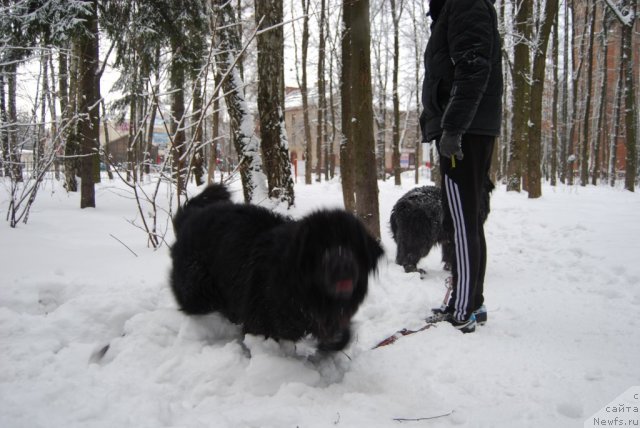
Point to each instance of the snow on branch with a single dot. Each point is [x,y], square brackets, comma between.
[626,20]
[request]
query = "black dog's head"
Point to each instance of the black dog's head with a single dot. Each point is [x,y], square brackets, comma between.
[416,221]
[335,255]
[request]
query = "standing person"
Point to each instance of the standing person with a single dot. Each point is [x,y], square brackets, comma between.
[462,102]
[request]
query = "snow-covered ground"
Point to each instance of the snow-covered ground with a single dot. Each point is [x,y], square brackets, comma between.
[562,339]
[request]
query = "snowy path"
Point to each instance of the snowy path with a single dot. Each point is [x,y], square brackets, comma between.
[562,341]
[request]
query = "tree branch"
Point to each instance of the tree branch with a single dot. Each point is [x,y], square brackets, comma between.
[626,20]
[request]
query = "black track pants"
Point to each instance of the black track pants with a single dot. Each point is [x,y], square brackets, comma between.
[462,191]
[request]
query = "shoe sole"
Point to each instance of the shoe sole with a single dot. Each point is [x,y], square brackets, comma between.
[467,327]
[481,318]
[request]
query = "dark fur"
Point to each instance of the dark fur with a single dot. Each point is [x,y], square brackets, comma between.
[277,277]
[417,225]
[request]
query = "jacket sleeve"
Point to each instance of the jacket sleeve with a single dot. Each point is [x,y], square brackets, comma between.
[471,38]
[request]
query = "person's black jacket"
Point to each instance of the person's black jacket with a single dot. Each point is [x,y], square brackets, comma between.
[462,88]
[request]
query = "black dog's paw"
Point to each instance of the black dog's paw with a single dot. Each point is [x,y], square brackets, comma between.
[414,268]
[410,268]
[337,342]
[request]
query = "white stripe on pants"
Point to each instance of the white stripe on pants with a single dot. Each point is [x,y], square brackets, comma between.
[462,250]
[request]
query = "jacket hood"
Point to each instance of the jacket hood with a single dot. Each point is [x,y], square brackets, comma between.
[435,6]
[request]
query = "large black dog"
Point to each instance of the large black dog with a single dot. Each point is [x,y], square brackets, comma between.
[418,224]
[278,277]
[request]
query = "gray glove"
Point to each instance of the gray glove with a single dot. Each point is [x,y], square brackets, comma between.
[451,144]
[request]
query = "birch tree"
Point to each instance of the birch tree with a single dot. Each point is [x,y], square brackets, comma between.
[247,144]
[275,147]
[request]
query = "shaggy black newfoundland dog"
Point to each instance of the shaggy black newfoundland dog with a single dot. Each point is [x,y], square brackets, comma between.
[418,224]
[275,276]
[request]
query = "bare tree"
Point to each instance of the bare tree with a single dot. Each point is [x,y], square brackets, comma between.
[322,99]
[247,145]
[555,128]
[381,51]
[397,7]
[534,178]
[88,106]
[419,34]
[347,155]
[600,145]
[586,134]
[275,148]
[630,117]
[521,79]
[356,21]
[304,90]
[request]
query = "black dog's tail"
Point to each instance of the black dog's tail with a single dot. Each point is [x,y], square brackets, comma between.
[214,193]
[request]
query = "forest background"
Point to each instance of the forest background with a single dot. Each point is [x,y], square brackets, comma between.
[216,72]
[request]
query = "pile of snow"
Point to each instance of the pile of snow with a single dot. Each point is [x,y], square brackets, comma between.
[90,335]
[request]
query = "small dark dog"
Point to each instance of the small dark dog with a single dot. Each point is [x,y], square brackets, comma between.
[418,224]
[277,277]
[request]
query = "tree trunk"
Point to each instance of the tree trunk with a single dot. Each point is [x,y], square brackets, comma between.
[178,142]
[197,161]
[631,126]
[396,12]
[522,67]
[332,109]
[215,132]
[534,178]
[555,125]
[631,159]
[275,148]
[418,68]
[564,141]
[586,134]
[88,107]
[366,189]
[247,145]
[72,145]
[320,137]
[381,56]
[155,89]
[15,146]
[304,92]
[578,62]
[346,145]
[4,134]
[132,160]
[615,132]
[601,138]
[38,153]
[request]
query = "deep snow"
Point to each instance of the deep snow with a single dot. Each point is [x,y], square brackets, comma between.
[562,339]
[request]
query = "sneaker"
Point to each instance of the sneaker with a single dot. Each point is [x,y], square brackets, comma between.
[481,315]
[468,326]
[439,314]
